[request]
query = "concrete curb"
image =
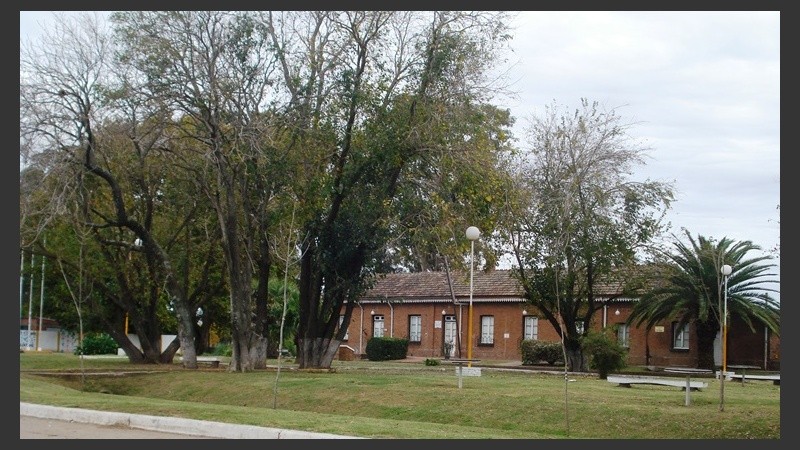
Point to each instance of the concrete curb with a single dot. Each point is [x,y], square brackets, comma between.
[169,424]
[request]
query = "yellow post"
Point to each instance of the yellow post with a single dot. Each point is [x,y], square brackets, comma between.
[725,347]
[469,335]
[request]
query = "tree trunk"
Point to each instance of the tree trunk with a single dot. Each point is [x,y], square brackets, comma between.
[316,353]
[185,335]
[706,334]
[576,361]
[135,356]
[149,354]
[249,347]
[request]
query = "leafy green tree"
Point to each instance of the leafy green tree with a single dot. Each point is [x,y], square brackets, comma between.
[354,118]
[688,288]
[581,220]
[398,97]
[452,190]
[214,69]
[115,168]
[276,289]
[606,355]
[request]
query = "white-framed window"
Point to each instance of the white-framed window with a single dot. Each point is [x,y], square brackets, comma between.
[414,328]
[623,335]
[680,336]
[341,323]
[377,325]
[579,326]
[531,328]
[487,329]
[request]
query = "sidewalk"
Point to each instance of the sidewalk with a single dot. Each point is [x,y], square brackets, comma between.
[176,425]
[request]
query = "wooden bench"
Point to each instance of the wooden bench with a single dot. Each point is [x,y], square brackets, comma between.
[728,375]
[213,361]
[461,371]
[775,378]
[628,380]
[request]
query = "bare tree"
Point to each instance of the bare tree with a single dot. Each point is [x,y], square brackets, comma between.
[586,219]
[64,99]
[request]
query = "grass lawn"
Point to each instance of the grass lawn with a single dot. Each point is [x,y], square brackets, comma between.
[404,400]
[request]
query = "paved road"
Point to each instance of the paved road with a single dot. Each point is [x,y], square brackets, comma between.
[37,428]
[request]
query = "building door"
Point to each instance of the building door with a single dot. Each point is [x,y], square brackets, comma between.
[450,331]
[377,325]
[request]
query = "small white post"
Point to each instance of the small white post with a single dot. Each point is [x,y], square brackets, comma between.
[688,388]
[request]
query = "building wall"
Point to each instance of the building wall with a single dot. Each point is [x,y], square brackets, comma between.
[653,347]
[756,347]
[508,327]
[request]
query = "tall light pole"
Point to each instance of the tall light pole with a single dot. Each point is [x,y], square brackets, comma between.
[30,304]
[41,307]
[725,270]
[472,234]
[22,282]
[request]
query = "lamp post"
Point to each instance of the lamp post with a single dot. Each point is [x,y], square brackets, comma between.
[472,234]
[725,270]
[41,308]
[30,305]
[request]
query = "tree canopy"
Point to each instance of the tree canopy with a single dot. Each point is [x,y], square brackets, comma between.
[582,218]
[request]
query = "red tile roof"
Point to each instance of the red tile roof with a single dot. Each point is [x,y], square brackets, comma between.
[495,285]
[434,285]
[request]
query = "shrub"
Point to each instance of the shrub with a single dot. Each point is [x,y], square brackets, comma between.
[431,362]
[386,348]
[605,353]
[96,344]
[222,349]
[534,351]
[289,347]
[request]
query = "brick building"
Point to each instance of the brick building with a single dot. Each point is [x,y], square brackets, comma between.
[421,308]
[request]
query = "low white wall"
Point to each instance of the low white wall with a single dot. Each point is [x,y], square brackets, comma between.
[57,340]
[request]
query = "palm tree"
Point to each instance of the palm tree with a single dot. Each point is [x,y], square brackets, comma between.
[689,288]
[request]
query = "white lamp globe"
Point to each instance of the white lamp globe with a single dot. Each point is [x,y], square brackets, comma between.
[726,270]
[473,233]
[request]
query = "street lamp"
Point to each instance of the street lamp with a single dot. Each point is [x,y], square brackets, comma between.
[472,234]
[725,270]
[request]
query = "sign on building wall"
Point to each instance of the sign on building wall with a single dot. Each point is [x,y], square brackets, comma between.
[437,324]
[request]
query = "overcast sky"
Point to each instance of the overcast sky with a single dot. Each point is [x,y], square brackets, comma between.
[703,88]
